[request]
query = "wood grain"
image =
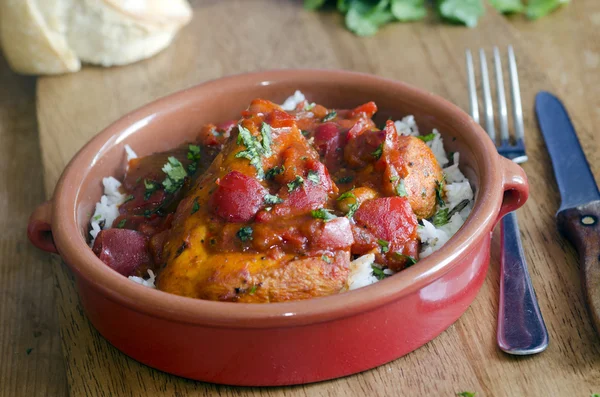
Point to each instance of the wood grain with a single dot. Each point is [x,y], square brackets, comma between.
[31,361]
[238,36]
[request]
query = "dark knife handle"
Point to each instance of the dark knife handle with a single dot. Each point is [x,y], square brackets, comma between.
[581,226]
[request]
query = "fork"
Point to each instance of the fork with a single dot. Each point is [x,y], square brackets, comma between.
[521,328]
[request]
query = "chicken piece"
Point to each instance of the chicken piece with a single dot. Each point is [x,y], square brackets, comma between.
[245,231]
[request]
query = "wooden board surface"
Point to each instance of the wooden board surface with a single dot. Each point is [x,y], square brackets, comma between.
[223,40]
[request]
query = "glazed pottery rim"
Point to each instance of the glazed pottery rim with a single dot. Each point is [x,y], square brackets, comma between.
[81,260]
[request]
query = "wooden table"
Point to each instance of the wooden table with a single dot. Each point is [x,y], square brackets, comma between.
[559,53]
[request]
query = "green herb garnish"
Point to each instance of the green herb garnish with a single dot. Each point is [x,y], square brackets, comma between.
[195,206]
[151,187]
[439,191]
[325,258]
[426,138]
[313,176]
[193,153]
[176,175]
[384,245]
[394,179]
[277,170]
[255,149]
[98,217]
[330,116]
[253,289]
[401,189]
[271,199]
[245,233]
[296,183]
[409,259]
[378,273]
[378,152]
[440,218]
[121,224]
[346,195]
[353,208]
[322,214]
[129,198]
[305,133]
[466,394]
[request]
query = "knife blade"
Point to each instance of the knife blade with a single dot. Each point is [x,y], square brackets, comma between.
[578,217]
[575,179]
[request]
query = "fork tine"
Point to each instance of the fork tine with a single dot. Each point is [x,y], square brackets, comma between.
[515,92]
[473,103]
[501,98]
[487,97]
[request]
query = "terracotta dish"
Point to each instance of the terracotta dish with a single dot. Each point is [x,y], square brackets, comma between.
[278,343]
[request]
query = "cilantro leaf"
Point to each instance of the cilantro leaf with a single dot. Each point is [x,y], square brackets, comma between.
[330,116]
[271,199]
[121,224]
[539,8]
[426,138]
[255,149]
[401,189]
[439,191]
[353,209]
[409,259]
[378,152]
[129,198]
[313,176]
[466,12]
[253,289]
[409,10]
[195,206]
[245,233]
[466,394]
[345,179]
[313,4]
[296,183]
[151,187]
[273,172]
[346,195]
[325,258]
[267,139]
[193,152]
[364,19]
[440,218]
[378,273]
[508,6]
[176,175]
[323,214]
[384,245]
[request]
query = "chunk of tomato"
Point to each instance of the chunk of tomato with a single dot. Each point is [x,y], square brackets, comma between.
[238,197]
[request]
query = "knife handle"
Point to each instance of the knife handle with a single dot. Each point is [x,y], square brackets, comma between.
[521,327]
[581,226]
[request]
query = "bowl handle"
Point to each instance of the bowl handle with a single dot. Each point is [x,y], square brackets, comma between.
[39,229]
[515,186]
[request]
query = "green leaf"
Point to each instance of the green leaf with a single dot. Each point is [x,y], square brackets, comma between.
[193,152]
[466,12]
[273,172]
[253,289]
[195,206]
[295,184]
[345,179]
[325,258]
[466,394]
[508,6]
[439,191]
[364,19]
[384,245]
[245,233]
[272,199]
[176,175]
[313,176]
[346,195]
[401,189]
[378,152]
[409,10]
[409,259]
[121,224]
[426,138]
[323,214]
[330,116]
[255,149]
[313,4]
[353,209]
[343,5]
[151,187]
[378,273]
[440,218]
[539,8]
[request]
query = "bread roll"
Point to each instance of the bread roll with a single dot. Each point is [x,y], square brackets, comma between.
[55,36]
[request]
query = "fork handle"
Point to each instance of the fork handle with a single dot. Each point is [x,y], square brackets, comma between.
[521,328]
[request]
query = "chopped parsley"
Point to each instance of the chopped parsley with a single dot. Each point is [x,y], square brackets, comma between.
[253,289]
[195,206]
[255,149]
[466,394]
[401,189]
[271,199]
[439,191]
[121,224]
[325,258]
[394,178]
[176,175]
[440,218]
[345,179]
[384,245]
[378,152]
[330,116]
[322,214]
[346,195]
[426,138]
[129,198]
[378,273]
[273,172]
[244,234]
[193,155]
[353,208]
[98,217]
[151,187]
[313,176]
[305,133]
[409,259]
[295,184]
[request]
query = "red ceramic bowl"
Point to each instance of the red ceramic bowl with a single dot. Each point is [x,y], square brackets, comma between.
[278,343]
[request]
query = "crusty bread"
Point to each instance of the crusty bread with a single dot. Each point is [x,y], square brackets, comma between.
[55,36]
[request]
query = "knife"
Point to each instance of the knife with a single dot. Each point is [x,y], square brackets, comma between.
[578,217]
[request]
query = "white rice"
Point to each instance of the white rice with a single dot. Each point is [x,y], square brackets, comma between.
[149,282]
